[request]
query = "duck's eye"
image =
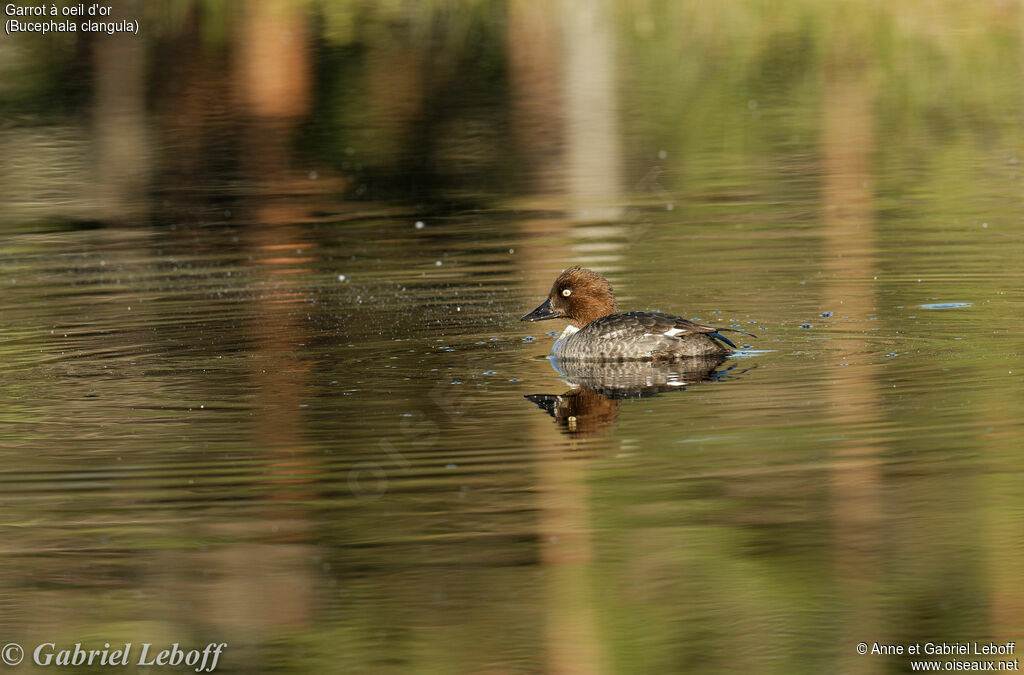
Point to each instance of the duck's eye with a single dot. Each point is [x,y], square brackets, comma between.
[567,292]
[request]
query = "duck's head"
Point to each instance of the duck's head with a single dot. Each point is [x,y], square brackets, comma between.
[579,296]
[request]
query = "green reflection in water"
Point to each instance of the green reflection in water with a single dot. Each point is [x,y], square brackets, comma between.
[248,399]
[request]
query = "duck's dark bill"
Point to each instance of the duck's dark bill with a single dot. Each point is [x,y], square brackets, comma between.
[541,313]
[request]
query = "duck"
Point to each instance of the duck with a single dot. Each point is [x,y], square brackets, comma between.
[597,331]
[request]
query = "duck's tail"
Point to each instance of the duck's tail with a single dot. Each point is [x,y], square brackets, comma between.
[737,330]
[717,334]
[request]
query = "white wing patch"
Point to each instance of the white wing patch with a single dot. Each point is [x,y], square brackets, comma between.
[672,332]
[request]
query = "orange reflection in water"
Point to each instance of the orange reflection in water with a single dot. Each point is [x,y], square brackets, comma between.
[848,141]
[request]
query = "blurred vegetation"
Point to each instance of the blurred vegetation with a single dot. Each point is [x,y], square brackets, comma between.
[412,99]
[412,103]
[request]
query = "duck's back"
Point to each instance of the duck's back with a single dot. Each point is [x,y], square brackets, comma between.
[641,336]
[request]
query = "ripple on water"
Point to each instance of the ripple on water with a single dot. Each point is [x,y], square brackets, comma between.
[946,305]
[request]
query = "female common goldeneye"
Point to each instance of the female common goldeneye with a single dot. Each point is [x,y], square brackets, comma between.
[596,330]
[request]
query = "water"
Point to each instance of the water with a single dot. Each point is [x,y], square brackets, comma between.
[265,382]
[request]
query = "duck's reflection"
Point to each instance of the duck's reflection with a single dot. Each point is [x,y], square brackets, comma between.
[591,406]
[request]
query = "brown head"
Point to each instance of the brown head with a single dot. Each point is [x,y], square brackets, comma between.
[579,296]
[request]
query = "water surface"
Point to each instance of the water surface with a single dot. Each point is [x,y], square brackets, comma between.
[265,382]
